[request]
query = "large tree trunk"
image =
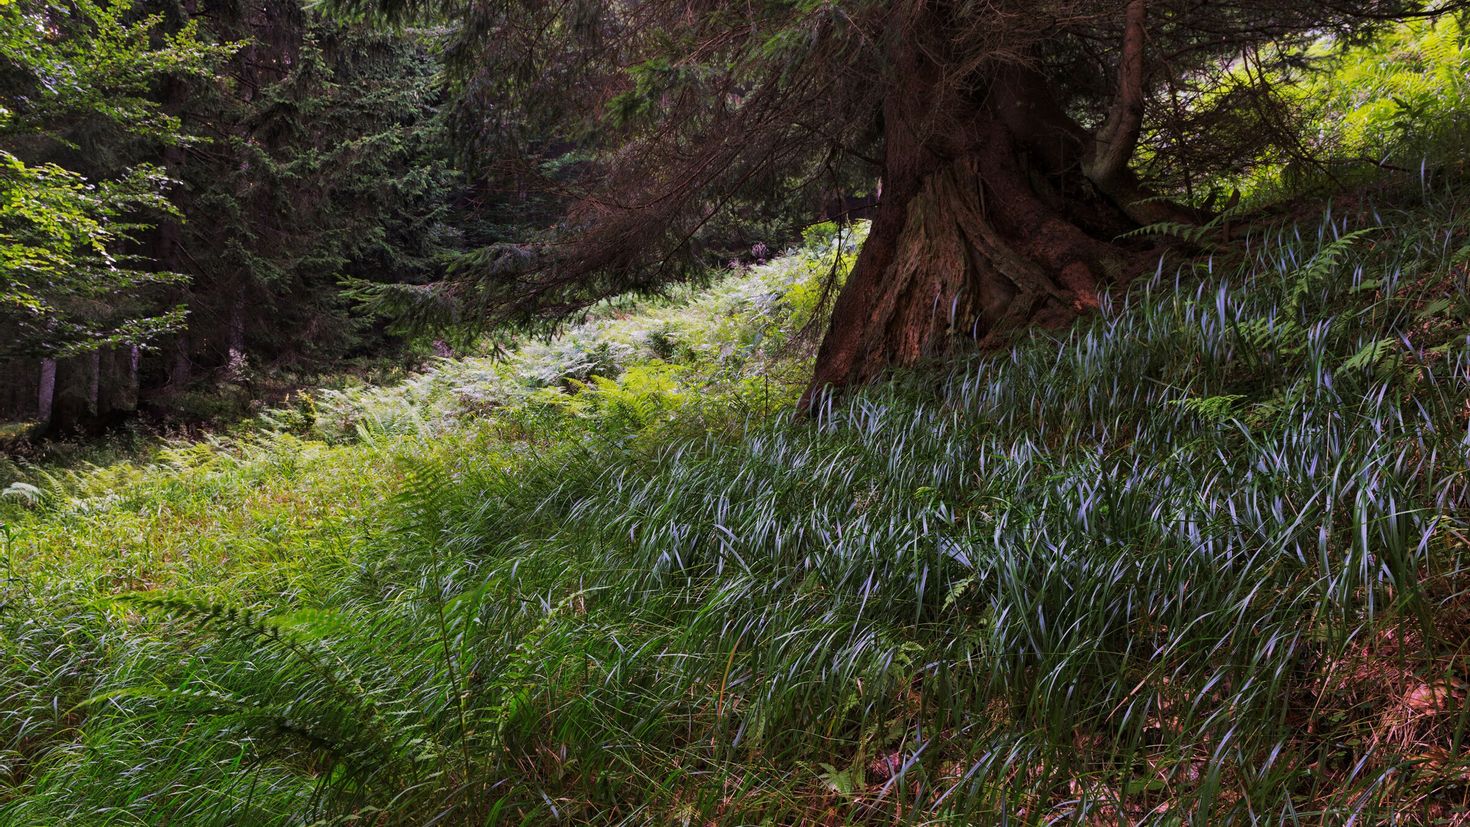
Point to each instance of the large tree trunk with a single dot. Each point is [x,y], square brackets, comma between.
[989,219]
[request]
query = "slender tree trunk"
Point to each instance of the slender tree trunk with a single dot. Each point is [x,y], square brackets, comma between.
[134,386]
[989,220]
[94,383]
[46,391]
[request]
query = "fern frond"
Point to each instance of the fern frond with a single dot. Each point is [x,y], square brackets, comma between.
[1213,408]
[1326,259]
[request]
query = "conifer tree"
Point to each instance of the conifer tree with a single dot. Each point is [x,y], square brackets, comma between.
[186,187]
[1003,133]
[75,85]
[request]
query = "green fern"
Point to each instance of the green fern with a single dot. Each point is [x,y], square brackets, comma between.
[1327,259]
[1201,236]
[311,695]
[1371,355]
[1212,408]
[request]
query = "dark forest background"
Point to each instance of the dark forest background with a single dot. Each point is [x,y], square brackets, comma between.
[286,156]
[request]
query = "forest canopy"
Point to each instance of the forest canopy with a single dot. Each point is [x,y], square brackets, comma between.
[189,188]
[210,202]
[1018,146]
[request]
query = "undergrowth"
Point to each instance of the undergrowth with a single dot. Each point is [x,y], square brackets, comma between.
[1200,559]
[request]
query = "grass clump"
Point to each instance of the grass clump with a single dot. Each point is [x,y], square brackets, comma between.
[1200,559]
[282,517]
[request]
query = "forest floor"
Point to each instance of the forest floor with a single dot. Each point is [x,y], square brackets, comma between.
[1200,558]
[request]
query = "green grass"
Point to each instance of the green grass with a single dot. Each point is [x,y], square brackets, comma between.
[1199,560]
[286,515]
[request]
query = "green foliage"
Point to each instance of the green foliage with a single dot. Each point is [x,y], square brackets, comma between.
[732,343]
[79,60]
[1403,97]
[68,281]
[1156,568]
[1397,102]
[218,172]
[329,165]
[67,287]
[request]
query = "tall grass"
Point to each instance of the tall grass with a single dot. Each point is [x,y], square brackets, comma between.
[1200,560]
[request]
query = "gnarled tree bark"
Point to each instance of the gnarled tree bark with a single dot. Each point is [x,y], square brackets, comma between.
[998,210]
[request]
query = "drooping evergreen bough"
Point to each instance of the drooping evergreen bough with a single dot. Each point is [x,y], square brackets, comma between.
[1003,135]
